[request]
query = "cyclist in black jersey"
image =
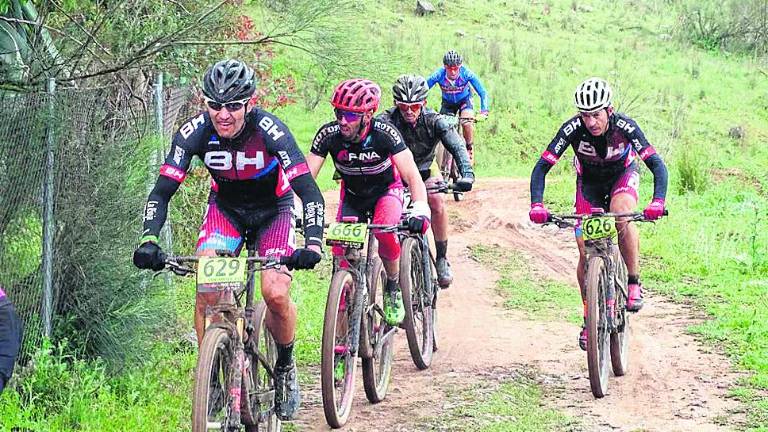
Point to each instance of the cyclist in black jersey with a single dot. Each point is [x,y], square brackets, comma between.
[607,145]
[422,129]
[255,168]
[371,158]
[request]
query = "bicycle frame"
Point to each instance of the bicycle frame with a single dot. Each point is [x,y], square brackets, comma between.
[229,314]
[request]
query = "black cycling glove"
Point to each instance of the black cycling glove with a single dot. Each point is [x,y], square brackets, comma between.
[149,256]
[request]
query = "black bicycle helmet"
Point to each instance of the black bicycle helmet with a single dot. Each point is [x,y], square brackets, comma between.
[229,80]
[451,58]
[410,89]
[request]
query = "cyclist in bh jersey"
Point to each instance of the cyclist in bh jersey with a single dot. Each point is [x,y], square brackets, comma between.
[607,146]
[371,156]
[454,80]
[422,130]
[255,168]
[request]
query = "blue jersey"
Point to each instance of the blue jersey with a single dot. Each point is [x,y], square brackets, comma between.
[459,90]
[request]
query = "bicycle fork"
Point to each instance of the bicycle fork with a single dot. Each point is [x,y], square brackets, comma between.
[236,369]
[358,305]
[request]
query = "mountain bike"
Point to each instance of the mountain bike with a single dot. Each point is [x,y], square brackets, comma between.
[353,326]
[607,318]
[234,378]
[418,282]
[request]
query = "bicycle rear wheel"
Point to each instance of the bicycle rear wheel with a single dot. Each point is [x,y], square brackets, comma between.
[338,365]
[620,338]
[378,335]
[419,319]
[209,396]
[598,340]
[259,382]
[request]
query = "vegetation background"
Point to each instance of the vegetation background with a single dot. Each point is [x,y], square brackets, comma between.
[694,75]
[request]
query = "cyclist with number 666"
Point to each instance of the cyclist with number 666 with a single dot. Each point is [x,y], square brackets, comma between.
[373,160]
[608,145]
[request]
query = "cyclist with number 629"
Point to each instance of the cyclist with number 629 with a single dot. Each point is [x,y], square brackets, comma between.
[422,130]
[255,168]
[372,160]
[607,145]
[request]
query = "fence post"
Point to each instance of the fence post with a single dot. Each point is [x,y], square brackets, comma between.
[166,235]
[48,220]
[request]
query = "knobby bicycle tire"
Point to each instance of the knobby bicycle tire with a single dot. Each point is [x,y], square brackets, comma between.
[377,368]
[598,345]
[215,351]
[620,339]
[337,396]
[262,381]
[418,321]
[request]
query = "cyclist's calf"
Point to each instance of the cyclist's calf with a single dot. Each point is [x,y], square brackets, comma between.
[281,319]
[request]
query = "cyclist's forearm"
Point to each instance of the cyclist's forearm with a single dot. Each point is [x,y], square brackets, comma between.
[156,209]
[314,208]
[660,175]
[538,180]
[455,146]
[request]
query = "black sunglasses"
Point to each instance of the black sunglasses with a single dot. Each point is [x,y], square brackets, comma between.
[230,106]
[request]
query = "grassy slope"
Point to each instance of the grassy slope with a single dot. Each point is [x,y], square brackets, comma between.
[712,251]
[530,57]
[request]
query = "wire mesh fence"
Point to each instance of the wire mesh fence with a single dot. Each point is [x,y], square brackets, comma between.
[75,165]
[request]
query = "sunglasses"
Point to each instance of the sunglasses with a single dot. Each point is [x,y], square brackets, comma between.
[348,116]
[414,107]
[230,106]
[453,68]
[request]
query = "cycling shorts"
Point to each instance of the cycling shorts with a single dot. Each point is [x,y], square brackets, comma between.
[273,227]
[11,331]
[451,108]
[386,209]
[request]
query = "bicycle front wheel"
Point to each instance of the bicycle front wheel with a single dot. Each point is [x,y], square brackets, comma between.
[337,363]
[620,338]
[209,398]
[419,319]
[598,344]
[378,336]
[259,381]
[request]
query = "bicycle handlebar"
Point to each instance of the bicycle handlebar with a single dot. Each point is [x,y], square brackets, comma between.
[174,263]
[564,220]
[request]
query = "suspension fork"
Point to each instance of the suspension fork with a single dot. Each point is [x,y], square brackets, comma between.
[426,270]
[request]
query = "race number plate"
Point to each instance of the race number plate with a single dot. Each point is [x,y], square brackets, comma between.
[346,234]
[595,228]
[221,272]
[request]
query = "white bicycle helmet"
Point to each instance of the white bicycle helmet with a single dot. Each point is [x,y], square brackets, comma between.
[593,95]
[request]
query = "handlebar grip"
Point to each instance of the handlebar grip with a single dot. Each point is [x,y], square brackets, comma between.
[666,212]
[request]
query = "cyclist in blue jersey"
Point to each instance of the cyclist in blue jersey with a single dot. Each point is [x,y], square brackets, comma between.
[454,79]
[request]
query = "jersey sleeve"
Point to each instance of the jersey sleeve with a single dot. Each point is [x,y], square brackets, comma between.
[280,142]
[185,144]
[478,86]
[321,141]
[394,140]
[436,76]
[640,144]
[561,141]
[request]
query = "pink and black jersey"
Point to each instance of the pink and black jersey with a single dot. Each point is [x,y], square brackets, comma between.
[251,171]
[366,167]
[600,158]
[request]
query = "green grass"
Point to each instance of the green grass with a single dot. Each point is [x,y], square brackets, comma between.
[711,251]
[511,405]
[539,297]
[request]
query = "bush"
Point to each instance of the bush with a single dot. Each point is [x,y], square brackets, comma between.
[734,25]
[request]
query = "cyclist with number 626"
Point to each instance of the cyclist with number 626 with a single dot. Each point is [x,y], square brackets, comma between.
[255,168]
[454,80]
[607,146]
[422,130]
[373,160]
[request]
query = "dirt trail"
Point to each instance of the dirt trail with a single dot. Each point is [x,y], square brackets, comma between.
[674,383]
